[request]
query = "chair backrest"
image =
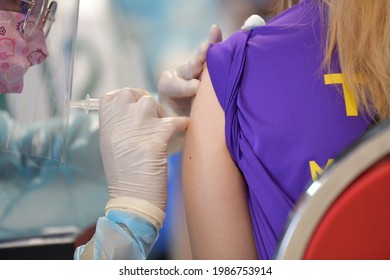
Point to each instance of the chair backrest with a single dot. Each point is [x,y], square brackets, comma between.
[345,214]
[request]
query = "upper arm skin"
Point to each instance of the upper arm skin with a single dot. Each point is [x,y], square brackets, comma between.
[218,218]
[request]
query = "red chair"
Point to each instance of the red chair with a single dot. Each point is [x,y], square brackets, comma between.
[345,214]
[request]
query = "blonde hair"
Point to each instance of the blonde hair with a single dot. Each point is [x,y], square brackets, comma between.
[282,5]
[359,33]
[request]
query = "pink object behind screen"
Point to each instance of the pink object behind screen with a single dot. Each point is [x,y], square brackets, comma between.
[16,53]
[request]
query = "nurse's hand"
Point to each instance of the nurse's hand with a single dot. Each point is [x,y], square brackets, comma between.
[134,135]
[177,86]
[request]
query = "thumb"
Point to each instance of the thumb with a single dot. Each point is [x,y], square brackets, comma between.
[215,35]
[178,123]
[172,125]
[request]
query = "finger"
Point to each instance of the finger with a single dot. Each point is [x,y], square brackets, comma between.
[202,51]
[185,70]
[148,106]
[173,86]
[192,69]
[105,110]
[170,85]
[164,83]
[215,35]
[121,96]
[191,87]
[162,111]
[184,88]
[196,65]
[130,95]
[180,123]
[109,97]
[175,124]
[127,96]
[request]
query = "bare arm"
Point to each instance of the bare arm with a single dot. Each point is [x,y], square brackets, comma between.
[215,196]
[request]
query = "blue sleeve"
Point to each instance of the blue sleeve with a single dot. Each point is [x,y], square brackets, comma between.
[122,236]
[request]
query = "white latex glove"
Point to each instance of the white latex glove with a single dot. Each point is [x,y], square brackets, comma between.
[177,86]
[134,135]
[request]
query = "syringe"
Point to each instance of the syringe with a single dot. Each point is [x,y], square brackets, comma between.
[87,105]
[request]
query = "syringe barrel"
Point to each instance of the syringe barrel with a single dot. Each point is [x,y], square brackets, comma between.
[87,104]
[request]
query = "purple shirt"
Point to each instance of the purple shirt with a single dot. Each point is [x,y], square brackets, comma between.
[286,117]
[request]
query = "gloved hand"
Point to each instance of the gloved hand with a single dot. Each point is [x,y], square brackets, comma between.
[134,135]
[177,86]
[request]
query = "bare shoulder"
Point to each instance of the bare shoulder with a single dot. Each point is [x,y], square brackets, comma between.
[214,190]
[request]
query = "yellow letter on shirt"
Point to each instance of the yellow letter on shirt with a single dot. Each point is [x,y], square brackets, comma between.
[316,170]
[350,103]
